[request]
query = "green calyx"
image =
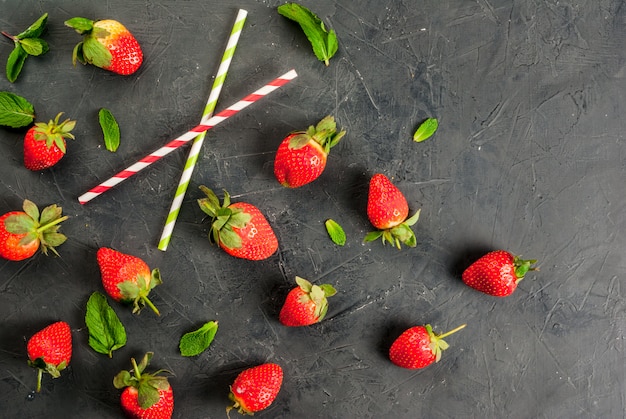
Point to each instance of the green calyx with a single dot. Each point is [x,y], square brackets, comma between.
[137,291]
[43,226]
[324,133]
[90,50]
[147,385]
[46,367]
[224,218]
[317,294]
[437,344]
[54,132]
[523,266]
[397,235]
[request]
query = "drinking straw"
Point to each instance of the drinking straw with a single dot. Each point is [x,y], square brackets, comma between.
[186,137]
[196,146]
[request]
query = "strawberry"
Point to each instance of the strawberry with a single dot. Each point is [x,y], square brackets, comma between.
[106,44]
[238,228]
[50,350]
[255,389]
[306,304]
[144,395]
[44,143]
[418,347]
[127,278]
[387,210]
[22,233]
[301,156]
[497,273]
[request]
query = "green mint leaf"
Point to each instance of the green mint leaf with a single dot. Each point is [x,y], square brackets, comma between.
[15,62]
[196,342]
[15,111]
[324,43]
[106,331]
[36,29]
[336,233]
[110,130]
[34,46]
[425,130]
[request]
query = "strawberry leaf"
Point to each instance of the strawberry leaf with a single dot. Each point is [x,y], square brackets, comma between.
[196,342]
[298,141]
[373,236]
[31,209]
[147,396]
[15,111]
[106,331]
[49,214]
[95,53]
[36,29]
[425,130]
[80,24]
[110,129]
[335,231]
[324,43]
[15,62]
[229,239]
[328,289]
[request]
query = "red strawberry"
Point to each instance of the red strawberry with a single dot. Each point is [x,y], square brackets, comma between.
[419,347]
[107,44]
[50,350]
[301,156]
[44,144]
[306,304]
[145,396]
[239,228]
[127,278]
[255,389]
[388,210]
[22,233]
[497,273]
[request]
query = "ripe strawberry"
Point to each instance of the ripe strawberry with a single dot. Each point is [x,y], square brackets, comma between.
[239,228]
[107,44]
[22,233]
[50,350]
[497,273]
[301,156]
[44,144]
[387,210]
[145,396]
[418,347]
[306,304]
[255,389]
[127,278]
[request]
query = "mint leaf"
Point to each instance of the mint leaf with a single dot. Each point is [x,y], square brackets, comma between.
[110,130]
[15,111]
[34,46]
[15,62]
[36,29]
[324,43]
[336,233]
[106,331]
[196,342]
[425,130]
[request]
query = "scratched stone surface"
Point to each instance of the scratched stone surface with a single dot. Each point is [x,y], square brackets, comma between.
[529,157]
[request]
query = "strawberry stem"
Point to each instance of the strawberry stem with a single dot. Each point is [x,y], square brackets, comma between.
[452,331]
[39,377]
[52,223]
[135,368]
[147,301]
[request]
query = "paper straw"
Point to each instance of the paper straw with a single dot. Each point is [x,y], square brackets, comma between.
[188,136]
[196,146]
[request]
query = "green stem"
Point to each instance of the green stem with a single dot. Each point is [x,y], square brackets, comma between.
[11,37]
[39,377]
[452,331]
[147,301]
[135,368]
[52,223]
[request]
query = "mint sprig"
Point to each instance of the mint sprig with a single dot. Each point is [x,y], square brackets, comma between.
[15,111]
[425,130]
[324,42]
[110,129]
[106,331]
[196,342]
[27,43]
[335,231]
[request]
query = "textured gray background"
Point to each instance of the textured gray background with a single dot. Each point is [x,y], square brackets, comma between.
[529,156]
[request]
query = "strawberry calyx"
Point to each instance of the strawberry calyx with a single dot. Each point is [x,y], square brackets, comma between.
[224,219]
[54,132]
[35,226]
[398,234]
[147,384]
[137,291]
[317,294]
[46,367]
[437,344]
[522,267]
[90,50]
[324,133]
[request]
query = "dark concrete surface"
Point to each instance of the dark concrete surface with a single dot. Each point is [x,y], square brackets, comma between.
[529,157]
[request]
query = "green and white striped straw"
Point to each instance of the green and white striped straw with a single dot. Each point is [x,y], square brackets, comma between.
[179,195]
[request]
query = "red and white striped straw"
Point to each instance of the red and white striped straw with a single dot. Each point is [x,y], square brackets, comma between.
[186,137]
